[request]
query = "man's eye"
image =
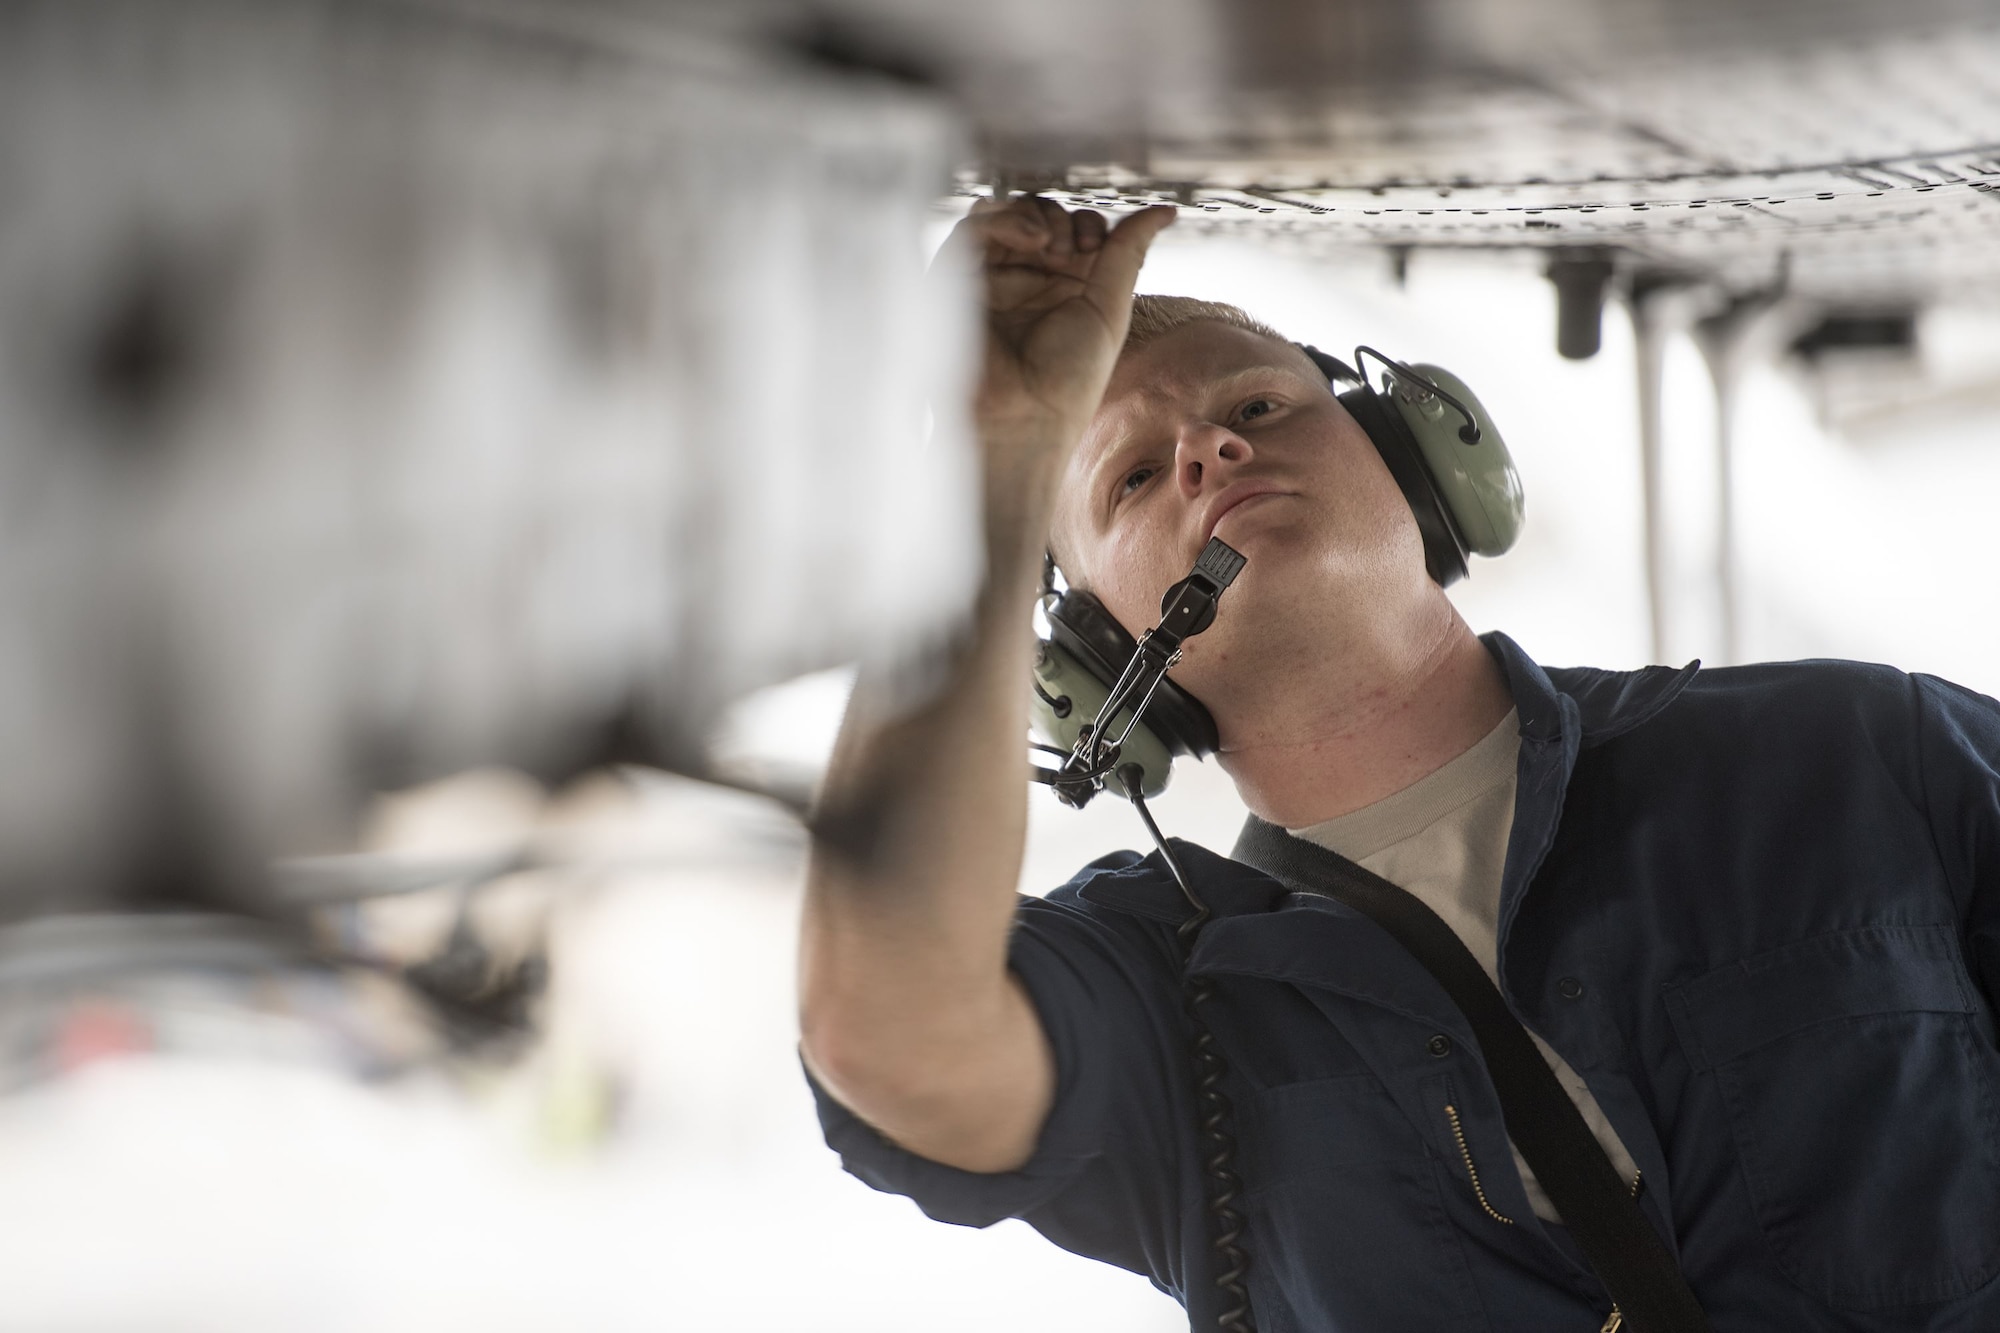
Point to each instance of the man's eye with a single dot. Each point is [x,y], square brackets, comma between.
[1135,479]
[1253,409]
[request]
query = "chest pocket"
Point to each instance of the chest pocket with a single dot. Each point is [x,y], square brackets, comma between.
[1861,1093]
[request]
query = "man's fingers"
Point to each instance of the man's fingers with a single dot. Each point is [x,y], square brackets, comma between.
[1014,224]
[1012,227]
[1019,221]
[1117,269]
[1089,228]
[1137,230]
[1026,205]
[1031,223]
[1027,243]
[1056,220]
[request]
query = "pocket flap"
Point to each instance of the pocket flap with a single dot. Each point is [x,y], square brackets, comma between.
[1882,969]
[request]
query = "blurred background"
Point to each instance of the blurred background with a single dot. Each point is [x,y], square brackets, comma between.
[455,453]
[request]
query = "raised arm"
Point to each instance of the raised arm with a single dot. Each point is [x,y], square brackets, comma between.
[910,1016]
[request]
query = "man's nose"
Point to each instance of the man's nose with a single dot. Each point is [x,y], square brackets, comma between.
[1205,454]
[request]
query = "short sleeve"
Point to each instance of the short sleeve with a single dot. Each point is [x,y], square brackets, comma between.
[1109,1172]
[1959,745]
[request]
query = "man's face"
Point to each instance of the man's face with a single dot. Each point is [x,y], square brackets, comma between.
[1215,431]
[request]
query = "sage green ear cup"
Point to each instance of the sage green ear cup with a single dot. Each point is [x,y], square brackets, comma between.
[1060,677]
[1477,482]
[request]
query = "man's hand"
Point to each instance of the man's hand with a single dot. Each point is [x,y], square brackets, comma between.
[1058,297]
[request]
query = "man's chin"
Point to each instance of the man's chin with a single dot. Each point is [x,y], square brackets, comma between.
[1251,521]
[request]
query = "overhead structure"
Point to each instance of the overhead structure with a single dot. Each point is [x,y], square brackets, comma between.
[1835,161]
[1852,148]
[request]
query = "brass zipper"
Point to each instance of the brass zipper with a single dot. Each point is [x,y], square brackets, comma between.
[1616,1319]
[1458,1132]
[1612,1324]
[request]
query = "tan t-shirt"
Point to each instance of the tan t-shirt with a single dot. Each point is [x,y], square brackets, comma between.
[1445,840]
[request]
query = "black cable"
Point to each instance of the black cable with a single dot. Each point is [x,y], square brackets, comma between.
[1213,1112]
[1069,777]
[1468,433]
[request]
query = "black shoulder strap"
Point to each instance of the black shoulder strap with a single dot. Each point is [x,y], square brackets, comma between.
[1627,1255]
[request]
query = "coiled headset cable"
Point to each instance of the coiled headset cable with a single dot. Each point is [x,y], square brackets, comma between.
[1213,1112]
[1187,609]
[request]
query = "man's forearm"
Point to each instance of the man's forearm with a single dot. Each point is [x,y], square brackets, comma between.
[908,1011]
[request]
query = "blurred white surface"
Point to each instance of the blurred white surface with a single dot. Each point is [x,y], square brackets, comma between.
[385,392]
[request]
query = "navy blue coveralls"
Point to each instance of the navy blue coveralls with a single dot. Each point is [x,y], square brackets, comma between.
[1758,909]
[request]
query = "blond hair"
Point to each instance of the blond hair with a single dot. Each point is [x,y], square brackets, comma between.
[1155,317]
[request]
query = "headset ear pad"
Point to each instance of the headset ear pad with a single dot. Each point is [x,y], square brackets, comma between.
[1444,548]
[1477,480]
[1068,695]
[1075,669]
[1466,496]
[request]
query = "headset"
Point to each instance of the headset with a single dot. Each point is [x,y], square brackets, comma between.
[1451,465]
[1105,701]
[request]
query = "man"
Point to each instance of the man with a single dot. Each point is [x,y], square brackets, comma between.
[1751,916]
